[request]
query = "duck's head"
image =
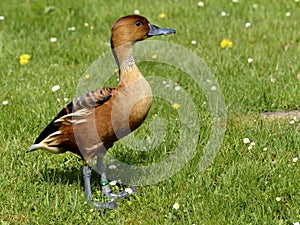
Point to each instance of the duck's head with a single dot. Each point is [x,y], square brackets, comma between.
[132,28]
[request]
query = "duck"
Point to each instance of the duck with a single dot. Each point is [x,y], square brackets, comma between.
[91,124]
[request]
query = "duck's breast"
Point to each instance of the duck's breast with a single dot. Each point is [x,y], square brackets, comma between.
[131,106]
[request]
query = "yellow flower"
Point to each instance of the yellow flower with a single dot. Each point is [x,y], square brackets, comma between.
[25,56]
[24,59]
[162,15]
[225,43]
[176,106]
[154,56]
[87,76]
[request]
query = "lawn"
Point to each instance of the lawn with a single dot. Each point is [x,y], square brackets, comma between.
[255,175]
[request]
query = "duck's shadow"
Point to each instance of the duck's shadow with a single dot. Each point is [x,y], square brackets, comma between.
[70,175]
[65,176]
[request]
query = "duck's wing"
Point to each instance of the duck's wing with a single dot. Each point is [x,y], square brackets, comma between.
[84,103]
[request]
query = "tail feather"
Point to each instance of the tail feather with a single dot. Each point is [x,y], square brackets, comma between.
[54,150]
[33,147]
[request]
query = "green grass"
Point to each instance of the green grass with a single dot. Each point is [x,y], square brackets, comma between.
[241,185]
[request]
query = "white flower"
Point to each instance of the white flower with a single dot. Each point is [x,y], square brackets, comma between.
[112,167]
[248,24]
[5,102]
[273,80]
[2,17]
[278,199]
[252,144]
[86,24]
[177,88]
[71,28]
[213,88]
[129,190]
[176,206]
[136,11]
[55,88]
[113,182]
[255,6]
[193,42]
[200,4]
[265,149]
[53,40]
[246,140]
[296,223]
[292,122]
[250,60]
[288,14]
[295,159]
[235,1]
[223,13]
[66,99]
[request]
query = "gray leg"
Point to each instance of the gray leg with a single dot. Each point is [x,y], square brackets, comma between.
[104,182]
[88,192]
[105,186]
[87,183]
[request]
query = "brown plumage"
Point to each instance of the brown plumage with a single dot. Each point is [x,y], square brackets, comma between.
[90,124]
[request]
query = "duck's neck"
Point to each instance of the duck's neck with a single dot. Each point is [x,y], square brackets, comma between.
[124,55]
[128,71]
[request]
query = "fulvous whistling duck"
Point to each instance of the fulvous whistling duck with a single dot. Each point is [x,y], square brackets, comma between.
[91,123]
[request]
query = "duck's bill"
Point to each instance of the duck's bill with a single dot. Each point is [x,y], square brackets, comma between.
[156,31]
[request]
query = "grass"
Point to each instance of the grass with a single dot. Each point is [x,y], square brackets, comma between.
[240,186]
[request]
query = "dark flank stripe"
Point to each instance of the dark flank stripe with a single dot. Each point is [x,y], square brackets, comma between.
[83,102]
[88,95]
[51,128]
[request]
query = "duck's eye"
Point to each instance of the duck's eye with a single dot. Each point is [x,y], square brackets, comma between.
[138,23]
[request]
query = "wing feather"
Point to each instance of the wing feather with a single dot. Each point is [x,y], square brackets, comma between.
[85,102]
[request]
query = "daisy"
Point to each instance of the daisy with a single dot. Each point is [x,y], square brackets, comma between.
[176,206]
[55,88]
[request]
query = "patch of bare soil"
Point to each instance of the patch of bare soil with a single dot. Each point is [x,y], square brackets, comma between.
[292,114]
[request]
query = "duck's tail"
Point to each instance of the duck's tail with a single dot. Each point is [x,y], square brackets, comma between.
[43,146]
[33,148]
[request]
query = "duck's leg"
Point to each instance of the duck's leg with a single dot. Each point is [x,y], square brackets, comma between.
[88,192]
[105,185]
[87,183]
